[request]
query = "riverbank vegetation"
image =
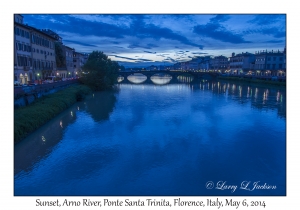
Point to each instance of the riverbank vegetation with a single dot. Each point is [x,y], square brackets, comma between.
[29,118]
[258,81]
[99,72]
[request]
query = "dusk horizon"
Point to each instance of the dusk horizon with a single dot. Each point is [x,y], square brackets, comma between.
[164,39]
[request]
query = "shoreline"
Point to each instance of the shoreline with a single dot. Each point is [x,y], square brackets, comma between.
[256,81]
[29,118]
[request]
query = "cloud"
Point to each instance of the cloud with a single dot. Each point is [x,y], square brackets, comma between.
[136,35]
[142,30]
[132,59]
[275,41]
[85,27]
[180,52]
[132,46]
[80,43]
[267,19]
[199,53]
[276,32]
[219,32]
[150,46]
[220,18]
[150,52]
[171,59]
[142,59]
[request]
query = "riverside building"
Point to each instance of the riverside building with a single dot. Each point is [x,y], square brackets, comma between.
[219,64]
[22,51]
[241,63]
[270,63]
[43,54]
[34,54]
[79,59]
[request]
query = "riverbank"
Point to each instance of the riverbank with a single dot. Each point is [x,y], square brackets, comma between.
[257,81]
[28,119]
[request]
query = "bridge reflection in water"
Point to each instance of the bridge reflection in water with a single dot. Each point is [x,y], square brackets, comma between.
[120,78]
[137,78]
[161,79]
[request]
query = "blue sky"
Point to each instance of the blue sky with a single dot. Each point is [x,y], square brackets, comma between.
[143,40]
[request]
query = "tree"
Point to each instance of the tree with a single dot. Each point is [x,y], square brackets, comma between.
[59,55]
[99,72]
[122,68]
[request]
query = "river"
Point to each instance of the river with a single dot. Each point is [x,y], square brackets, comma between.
[201,137]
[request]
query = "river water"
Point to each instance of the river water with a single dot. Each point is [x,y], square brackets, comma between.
[200,137]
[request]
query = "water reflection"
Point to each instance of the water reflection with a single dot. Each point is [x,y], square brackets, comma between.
[120,78]
[31,149]
[136,141]
[185,78]
[159,79]
[99,106]
[137,78]
[260,97]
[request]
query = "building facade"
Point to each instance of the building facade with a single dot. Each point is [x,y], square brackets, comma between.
[22,51]
[241,63]
[79,59]
[34,56]
[43,54]
[219,64]
[66,69]
[204,64]
[272,63]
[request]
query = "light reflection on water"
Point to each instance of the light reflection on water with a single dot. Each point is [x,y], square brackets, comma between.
[159,140]
[137,78]
[185,79]
[161,79]
[120,78]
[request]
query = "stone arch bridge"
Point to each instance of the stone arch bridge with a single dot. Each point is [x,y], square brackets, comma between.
[174,74]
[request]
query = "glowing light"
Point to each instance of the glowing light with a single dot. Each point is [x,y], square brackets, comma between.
[43,138]
[137,78]
[120,78]
[161,80]
[185,79]
[60,123]
[71,113]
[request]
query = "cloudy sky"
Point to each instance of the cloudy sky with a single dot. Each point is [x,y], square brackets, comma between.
[143,40]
